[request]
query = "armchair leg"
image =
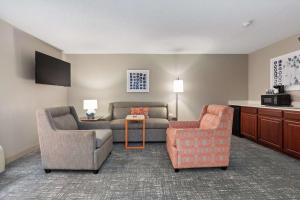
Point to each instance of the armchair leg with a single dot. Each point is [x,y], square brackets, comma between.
[47,171]
[95,171]
[224,168]
[176,170]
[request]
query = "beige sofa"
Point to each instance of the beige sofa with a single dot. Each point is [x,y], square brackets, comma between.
[67,143]
[156,124]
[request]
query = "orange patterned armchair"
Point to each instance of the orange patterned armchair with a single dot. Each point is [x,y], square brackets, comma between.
[203,143]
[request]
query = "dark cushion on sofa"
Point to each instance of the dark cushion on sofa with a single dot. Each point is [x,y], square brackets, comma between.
[151,123]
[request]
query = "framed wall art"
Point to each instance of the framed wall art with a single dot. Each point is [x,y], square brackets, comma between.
[137,80]
[285,70]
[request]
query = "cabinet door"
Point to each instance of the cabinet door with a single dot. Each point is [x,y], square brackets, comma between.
[270,132]
[291,134]
[249,125]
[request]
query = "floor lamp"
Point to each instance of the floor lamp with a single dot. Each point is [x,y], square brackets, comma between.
[177,88]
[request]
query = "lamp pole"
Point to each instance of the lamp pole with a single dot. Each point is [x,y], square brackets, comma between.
[177,106]
[177,102]
[177,87]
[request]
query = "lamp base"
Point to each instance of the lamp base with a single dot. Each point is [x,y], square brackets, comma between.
[90,115]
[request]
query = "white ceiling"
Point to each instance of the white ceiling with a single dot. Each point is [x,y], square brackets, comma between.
[155,26]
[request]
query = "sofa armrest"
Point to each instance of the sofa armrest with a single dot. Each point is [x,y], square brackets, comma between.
[107,117]
[172,117]
[184,124]
[86,125]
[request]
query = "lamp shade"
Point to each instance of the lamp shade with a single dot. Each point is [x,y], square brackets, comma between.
[90,104]
[178,85]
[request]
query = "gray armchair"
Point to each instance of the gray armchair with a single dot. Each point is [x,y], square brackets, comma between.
[67,143]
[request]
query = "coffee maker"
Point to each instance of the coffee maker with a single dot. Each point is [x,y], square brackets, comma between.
[280,88]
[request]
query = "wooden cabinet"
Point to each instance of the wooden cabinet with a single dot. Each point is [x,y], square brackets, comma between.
[270,132]
[291,134]
[270,125]
[249,123]
[274,128]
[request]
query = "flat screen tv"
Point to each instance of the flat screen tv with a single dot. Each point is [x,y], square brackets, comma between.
[51,71]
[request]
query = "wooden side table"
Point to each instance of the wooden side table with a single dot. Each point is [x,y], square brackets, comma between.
[139,118]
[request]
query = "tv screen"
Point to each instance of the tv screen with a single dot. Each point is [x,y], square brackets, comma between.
[52,71]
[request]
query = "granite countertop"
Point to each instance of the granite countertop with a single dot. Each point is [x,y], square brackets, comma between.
[256,104]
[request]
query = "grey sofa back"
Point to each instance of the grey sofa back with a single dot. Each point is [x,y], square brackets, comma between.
[119,110]
[63,118]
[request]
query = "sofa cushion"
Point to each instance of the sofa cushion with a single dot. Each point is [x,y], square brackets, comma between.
[158,112]
[102,135]
[58,111]
[65,122]
[151,123]
[157,123]
[120,113]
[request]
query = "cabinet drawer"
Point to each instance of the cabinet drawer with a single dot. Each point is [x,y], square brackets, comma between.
[292,115]
[249,110]
[270,112]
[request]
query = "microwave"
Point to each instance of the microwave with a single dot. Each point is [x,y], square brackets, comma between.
[276,99]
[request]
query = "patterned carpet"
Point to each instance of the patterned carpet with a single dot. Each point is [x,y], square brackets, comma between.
[255,173]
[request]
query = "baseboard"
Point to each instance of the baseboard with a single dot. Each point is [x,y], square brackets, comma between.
[21,154]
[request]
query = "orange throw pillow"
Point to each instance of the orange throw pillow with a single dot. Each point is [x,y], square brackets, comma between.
[140,111]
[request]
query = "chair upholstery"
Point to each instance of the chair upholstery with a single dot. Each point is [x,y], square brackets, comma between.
[64,145]
[203,143]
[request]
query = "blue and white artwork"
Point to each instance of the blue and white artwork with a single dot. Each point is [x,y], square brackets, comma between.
[285,70]
[137,80]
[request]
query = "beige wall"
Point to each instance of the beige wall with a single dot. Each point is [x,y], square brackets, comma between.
[207,79]
[259,66]
[20,96]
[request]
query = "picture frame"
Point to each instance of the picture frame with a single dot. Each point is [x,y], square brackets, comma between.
[138,81]
[285,70]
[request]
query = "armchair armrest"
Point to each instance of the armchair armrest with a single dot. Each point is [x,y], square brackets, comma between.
[86,125]
[184,124]
[73,139]
[192,133]
[195,137]
[68,149]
